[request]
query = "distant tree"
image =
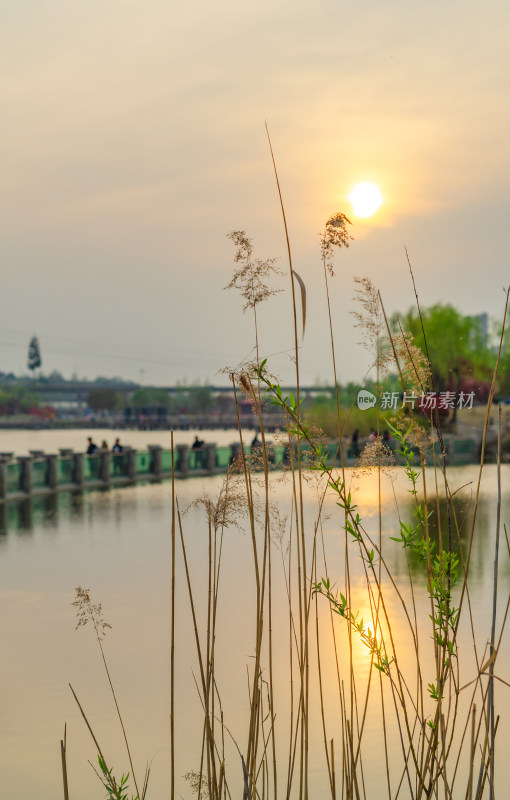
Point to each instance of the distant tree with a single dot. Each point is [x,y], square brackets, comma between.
[161,398]
[104,400]
[143,398]
[456,344]
[200,399]
[504,365]
[34,354]
[101,380]
[18,400]
[225,403]
[457,347]
[56,376]
[180,399]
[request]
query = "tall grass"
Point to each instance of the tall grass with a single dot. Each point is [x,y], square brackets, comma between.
[421,700]
[389,653]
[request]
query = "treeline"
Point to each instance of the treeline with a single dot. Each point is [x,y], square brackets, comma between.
[187,399]
[18,400]
[462,351]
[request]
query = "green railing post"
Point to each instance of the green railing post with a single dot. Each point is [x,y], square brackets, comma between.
[78,470]
[183,451]
[211,457]
[157,462]
[52,472]
[132,464]
[105,466]
[26,473]
[3,478]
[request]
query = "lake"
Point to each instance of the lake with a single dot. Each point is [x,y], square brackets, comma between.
[117,544]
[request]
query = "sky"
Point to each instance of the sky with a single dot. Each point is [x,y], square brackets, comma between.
[133,140]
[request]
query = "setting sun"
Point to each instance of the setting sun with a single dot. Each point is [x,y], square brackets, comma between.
[366,198]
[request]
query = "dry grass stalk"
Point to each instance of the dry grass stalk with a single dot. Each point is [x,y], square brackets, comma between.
[63,754]
[87,611]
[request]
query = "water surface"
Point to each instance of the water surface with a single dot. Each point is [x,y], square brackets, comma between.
[117,544]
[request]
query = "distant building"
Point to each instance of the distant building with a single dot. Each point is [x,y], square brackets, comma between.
[483,328]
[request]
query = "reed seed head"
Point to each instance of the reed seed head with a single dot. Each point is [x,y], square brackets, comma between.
[251,278]
[414,364]
[87,611]
[335,234]
[375,454]
[370,318]
[198,783]
[228,507]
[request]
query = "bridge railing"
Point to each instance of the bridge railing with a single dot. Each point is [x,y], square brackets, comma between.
[40,473]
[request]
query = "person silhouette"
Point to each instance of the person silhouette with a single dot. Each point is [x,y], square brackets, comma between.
[355,444]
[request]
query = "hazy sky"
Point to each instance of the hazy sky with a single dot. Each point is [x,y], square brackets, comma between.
[132,141]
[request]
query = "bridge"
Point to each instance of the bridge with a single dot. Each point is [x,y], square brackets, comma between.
[40,473]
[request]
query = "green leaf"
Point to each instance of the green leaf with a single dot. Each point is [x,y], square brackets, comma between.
[303,298]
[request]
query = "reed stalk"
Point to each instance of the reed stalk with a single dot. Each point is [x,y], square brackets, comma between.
[63,754]
[172,634]
[409,638]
